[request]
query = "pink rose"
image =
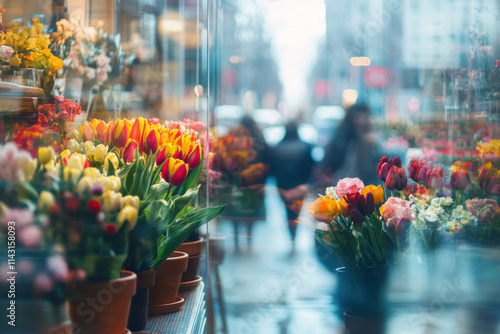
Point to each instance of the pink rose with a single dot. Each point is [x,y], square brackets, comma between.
[397,214]
[484,209]
[348,186]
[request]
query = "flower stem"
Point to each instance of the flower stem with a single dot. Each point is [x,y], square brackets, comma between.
[424,239]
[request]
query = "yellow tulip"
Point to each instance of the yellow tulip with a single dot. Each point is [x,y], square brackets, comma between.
[45,154]
[84,185]
[128,213]
[111,183]
[111,201]
[92,173]
[88,148]
[73,146]
[378,193]
[45,201]
[111,158]
[71,172]
[76,161]
[100,153]
[132,201]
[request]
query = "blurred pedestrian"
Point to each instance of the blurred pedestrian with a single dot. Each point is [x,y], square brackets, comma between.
[292,165]
[352,150]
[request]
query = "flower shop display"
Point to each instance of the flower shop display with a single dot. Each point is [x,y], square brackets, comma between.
[31,50]
[238,178]
[117,197]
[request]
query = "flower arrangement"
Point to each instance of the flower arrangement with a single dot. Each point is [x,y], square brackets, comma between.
[31,50]
[237,176]
[355,232]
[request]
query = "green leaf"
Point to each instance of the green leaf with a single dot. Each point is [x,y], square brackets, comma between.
[181,228]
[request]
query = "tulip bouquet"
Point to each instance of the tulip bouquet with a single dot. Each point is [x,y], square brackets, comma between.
[158,165]
[240,178]
[355,231]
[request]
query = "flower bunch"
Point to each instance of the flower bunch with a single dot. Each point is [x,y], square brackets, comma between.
[58,112]
[31,47]
[31,138]
[391,173]
[356,232]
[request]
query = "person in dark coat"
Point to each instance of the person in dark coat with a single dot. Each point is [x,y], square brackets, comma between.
[291,164]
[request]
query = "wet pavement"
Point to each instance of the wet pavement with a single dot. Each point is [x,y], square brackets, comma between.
[269,288]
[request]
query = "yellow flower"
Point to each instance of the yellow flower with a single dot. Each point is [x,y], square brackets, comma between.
[45,154]
[111,158]
[324,209]
[76,161]
[378,193]
[71,172]
[100,153]
[45,201]
[132,201]
[128,213]
[111,200]
[64,154]
[111,183]
[88,148]
[15,61]
[84,185]
[73,145]
[29,169]
[92,172]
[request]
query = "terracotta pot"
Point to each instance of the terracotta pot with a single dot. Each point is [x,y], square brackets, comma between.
[168,278]
[138,316]
[103,308]
[193,250]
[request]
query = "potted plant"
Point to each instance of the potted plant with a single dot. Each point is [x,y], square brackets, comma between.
[92,225]
[159,165]
[358,235]
[36,273]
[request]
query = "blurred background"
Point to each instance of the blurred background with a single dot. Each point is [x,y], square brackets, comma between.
[296,95]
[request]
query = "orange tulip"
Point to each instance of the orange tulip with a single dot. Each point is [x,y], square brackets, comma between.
[151,142]
[324,209]
[87,131]
[129,150]
[174,171]
[378,193]
[139,130]
[100,131]
[108,133]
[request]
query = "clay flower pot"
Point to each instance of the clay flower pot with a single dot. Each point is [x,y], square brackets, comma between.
[163,295]
[103,308]
[193,250]
[138,316]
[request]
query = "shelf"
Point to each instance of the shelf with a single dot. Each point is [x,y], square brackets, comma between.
[189,320]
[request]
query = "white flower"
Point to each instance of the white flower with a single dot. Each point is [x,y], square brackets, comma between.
[73,145]
[330,191]
[446,201]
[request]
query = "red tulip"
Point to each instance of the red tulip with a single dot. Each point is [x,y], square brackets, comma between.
[194,157]
[364,204]
[129,151]
[152,141]
[435,178]
[396,179]
[383,167]
[120,133]
[355,215]
[174,171]
[459,180]
[418,170]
